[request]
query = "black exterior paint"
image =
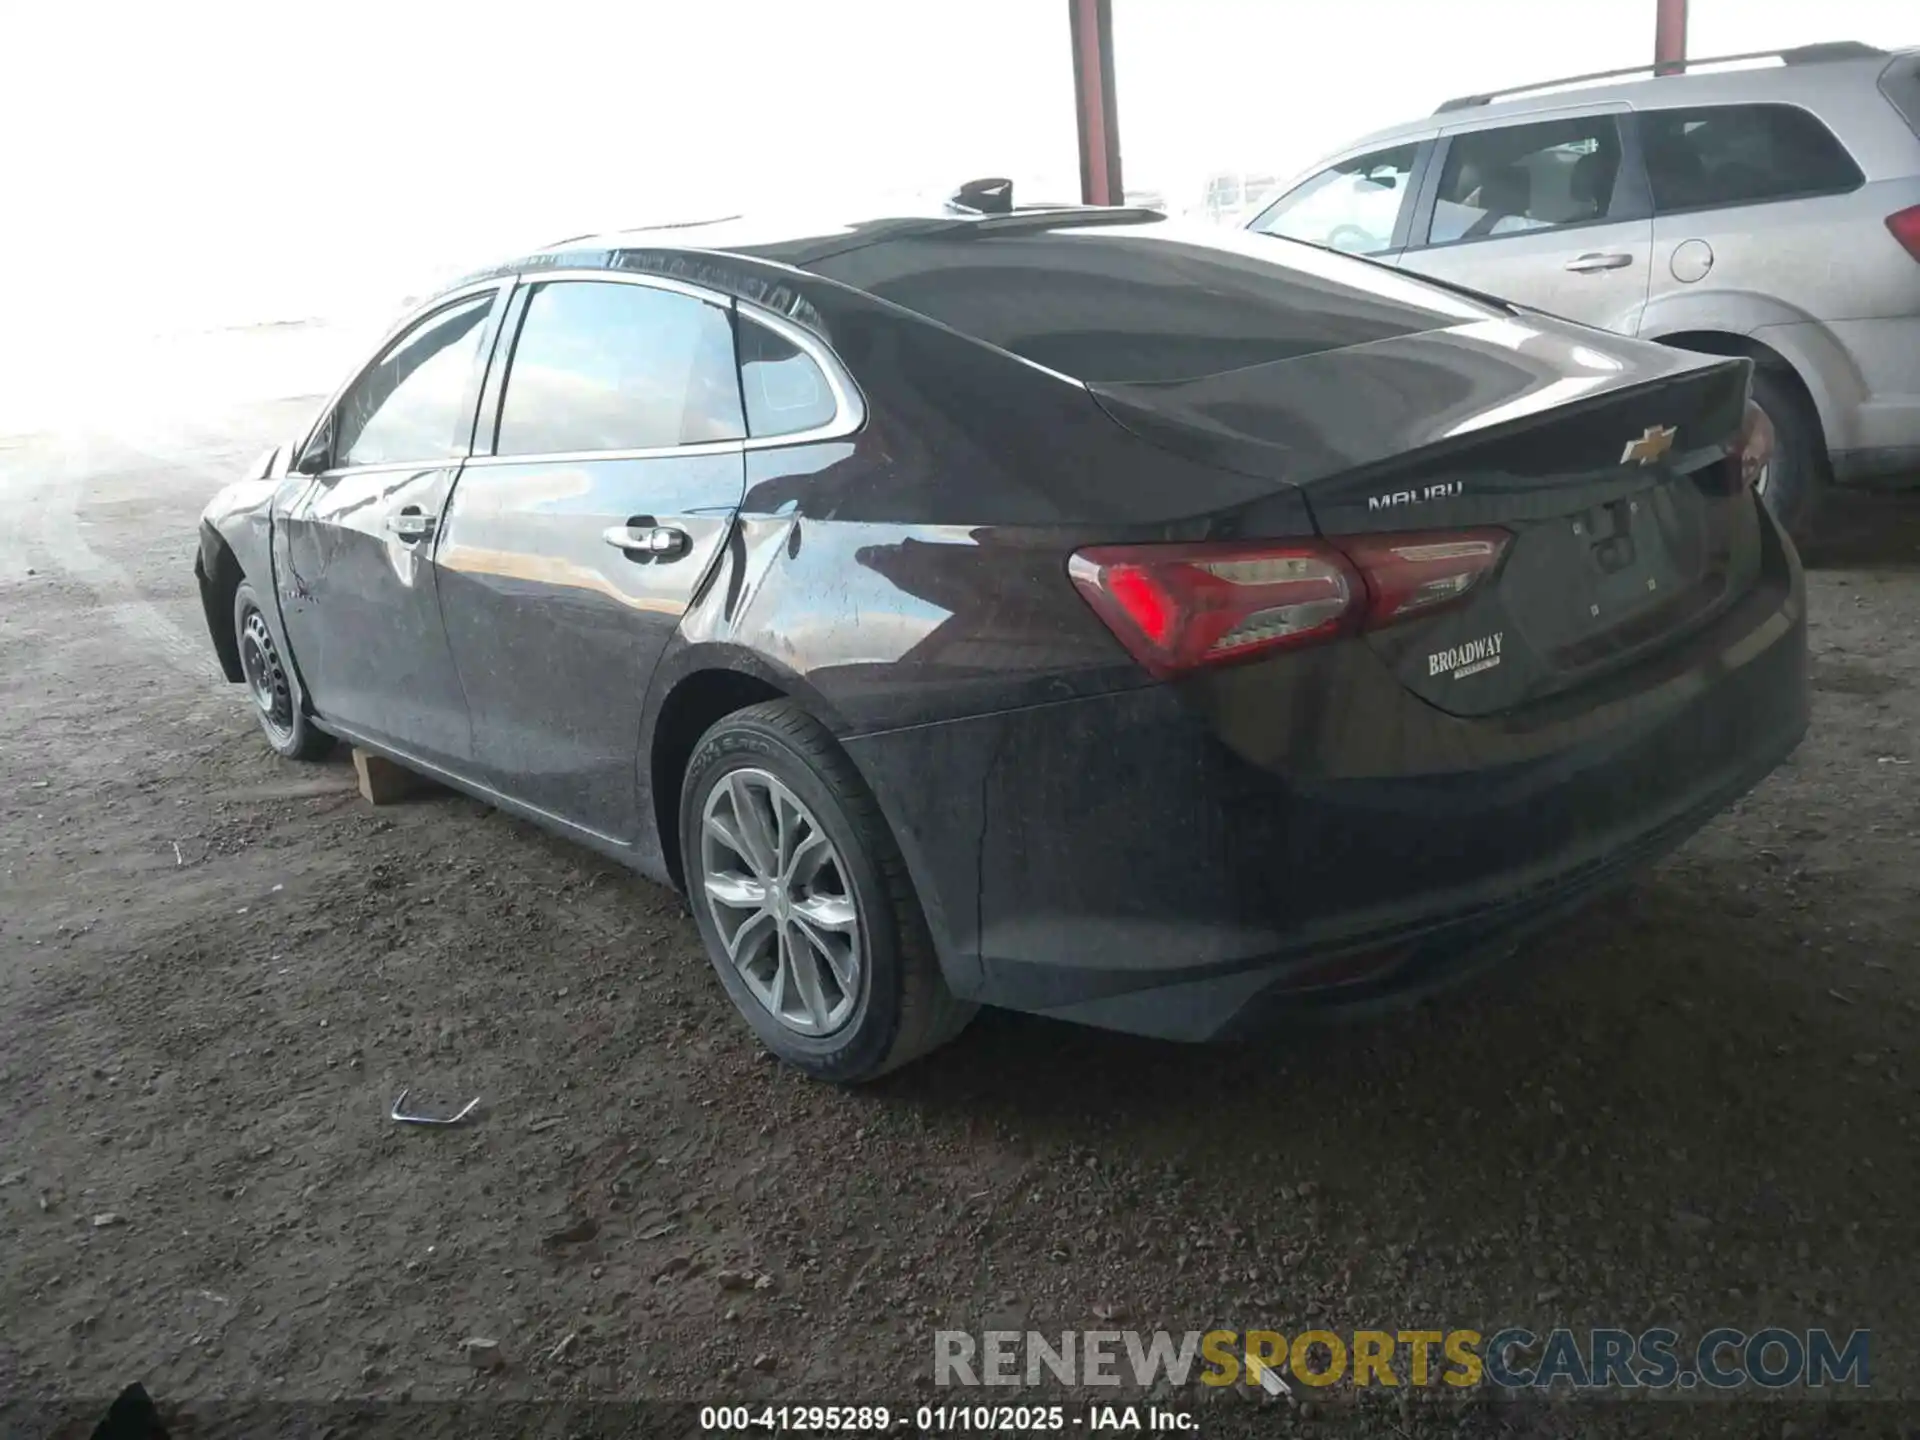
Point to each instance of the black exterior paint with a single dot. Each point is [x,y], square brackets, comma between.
[1086,841]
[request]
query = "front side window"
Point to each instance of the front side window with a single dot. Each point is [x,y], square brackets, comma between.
[605,366]
[785,390]
[1521,178]
[412,403]
[1741,155]
[1352,206]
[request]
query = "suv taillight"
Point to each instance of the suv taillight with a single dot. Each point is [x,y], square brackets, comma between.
[1179,608]
[1905,225]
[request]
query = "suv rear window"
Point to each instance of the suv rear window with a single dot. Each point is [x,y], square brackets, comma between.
[1741,155]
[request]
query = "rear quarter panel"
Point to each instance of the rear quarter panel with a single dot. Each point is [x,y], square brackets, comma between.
[1829,257]
[917,570]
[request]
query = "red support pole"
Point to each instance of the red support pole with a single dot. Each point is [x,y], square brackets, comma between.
[1091,23]
[1670,37]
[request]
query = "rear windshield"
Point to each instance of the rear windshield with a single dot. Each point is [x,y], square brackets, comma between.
[1146,302]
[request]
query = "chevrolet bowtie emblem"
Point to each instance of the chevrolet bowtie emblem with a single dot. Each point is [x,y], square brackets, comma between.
[1657,440]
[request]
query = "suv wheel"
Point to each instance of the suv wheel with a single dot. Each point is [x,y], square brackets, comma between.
[1791,484]
[804,903]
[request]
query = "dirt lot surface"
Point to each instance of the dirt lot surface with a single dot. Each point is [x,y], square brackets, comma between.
[1695,1106]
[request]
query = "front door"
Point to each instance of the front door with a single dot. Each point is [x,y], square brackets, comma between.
[1545,214]
[357,582]
[569,553]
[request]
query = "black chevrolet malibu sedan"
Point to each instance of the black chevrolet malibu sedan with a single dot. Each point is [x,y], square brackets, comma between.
[1056,609]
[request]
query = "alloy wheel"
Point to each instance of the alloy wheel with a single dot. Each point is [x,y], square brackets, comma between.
[778,893]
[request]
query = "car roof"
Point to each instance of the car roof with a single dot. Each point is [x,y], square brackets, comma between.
[1800,75]
[1091,293]
[805,240]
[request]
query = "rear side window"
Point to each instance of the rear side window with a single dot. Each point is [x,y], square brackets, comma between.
[1352,206]
[785,391]
[603,366]
[1516,179]
[1741,155]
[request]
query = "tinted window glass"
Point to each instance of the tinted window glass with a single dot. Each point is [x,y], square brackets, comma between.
[786,393]
[1350,207]
[619,367]
[1739,155]
[1521,178]
[412,404]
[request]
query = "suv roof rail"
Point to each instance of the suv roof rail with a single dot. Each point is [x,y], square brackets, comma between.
[1796,55]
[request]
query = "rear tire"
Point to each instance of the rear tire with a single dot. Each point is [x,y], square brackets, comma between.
[1795,479]
[277,707]
[800,891]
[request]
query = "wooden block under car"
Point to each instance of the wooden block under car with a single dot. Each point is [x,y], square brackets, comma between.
[382,782]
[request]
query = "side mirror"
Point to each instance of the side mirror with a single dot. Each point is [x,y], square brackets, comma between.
[318,456]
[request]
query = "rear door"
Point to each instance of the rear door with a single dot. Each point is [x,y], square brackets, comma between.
[1361,205]
[1548,213]
[579,533]
[358,587]
[1748,198]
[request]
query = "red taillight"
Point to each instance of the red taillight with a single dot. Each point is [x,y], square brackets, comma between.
[1180,607]
[1409,575]
[1905,225]
[1176,607]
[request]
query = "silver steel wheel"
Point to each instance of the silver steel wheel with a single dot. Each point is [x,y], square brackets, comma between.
[266,677]
[780,900]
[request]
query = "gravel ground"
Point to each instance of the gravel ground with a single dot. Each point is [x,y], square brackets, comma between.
[1693,1106]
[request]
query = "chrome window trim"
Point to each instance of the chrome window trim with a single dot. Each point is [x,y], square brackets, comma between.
[538,276]
[392,467]
[582,457]
[393,333]
[849,405]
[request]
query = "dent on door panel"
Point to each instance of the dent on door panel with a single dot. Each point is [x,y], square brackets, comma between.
[361,608]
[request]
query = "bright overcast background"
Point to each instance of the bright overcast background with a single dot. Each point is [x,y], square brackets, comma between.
[213,164]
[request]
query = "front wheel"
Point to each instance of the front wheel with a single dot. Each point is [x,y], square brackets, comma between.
[804,902]
[288,728]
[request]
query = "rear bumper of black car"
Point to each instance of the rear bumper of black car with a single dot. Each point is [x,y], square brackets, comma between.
[1114,860]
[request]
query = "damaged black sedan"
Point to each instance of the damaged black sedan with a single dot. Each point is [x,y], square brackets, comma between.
[1055,609]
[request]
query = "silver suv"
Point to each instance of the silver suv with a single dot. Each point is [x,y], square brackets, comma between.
[1764,205]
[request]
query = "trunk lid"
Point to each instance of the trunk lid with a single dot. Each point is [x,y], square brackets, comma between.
[1607,462]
